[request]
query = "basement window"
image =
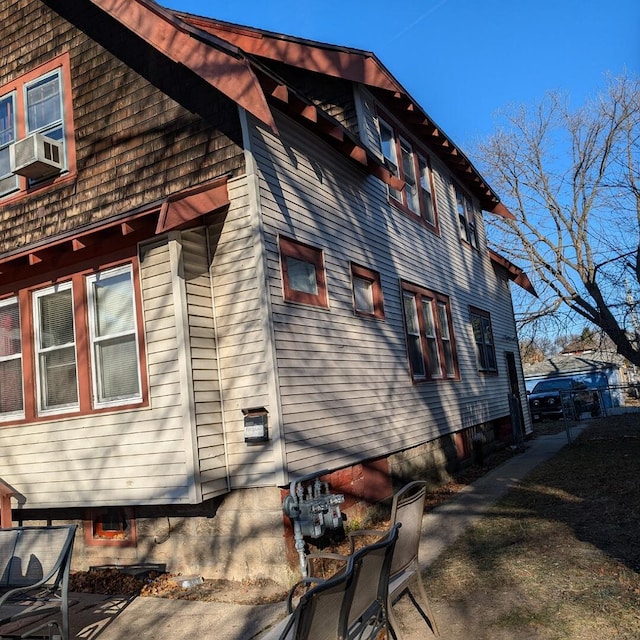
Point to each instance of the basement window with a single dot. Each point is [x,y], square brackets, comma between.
[110,527]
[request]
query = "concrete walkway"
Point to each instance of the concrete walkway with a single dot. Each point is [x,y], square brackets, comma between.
[111,618]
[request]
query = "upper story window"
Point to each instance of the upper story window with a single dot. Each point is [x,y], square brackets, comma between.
[408,164]
[38,102]
[84,344]
[303,276]
[367,292]
[483,337]
[467,219]
[429,333]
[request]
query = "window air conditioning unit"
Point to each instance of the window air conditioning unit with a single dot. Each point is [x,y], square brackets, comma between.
[36,156]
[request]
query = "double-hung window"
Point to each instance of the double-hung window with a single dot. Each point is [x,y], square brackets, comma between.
[113,337]
[38,102]
[55,349]
[429,334]
[80,344]
[8,181]
[413,168]
[483,337]
[44,106]
[467,219]
[11,396]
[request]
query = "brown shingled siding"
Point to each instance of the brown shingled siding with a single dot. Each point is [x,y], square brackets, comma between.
[134,144]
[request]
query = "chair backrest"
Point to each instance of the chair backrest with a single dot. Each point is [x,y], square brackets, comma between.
[371,568]
[351,604]
[322,611]
[407,508]
[39,554]
[8,539]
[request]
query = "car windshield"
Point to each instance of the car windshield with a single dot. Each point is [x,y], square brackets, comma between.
[552,385]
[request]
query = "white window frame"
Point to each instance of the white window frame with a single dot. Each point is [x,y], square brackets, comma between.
[53,126]
[9,182]
[14,415]
[94,339]
[39,351]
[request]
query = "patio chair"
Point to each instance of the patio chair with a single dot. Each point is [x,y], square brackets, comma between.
[407,508]
[351,605]
[34,578]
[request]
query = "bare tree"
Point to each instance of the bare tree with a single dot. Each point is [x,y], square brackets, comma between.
[572,180]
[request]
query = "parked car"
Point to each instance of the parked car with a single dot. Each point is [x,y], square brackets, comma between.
[545,400]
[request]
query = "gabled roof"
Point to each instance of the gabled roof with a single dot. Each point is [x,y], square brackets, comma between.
[230,58]
[357,66]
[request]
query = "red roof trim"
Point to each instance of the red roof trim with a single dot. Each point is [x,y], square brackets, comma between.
[186,207]
[217,63]
[516,274]
[339,62]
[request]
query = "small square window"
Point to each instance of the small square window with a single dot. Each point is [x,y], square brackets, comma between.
[367,292]
[303,274]
[110,527]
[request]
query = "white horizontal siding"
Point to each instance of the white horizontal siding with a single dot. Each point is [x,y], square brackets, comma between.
[240,321]
[344,381]
[113,458]
[204,363]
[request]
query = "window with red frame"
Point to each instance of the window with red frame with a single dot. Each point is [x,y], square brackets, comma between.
[303,273]
[98,309]
[483,337]
[414,168]
[38,102]
[429,334]
[367,292]
[110,527]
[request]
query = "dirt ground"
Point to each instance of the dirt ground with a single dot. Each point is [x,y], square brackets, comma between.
[559,557]
[115,582]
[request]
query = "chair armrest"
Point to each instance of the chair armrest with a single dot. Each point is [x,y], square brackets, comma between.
[352,535]
[303,581]
[324,555]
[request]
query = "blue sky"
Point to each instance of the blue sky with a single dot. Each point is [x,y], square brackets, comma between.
[463,60]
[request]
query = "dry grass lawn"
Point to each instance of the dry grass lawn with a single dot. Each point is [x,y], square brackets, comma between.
[559,557]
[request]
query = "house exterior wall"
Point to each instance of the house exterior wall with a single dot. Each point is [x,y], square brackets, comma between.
[218,336]
[133,144]
[345,387]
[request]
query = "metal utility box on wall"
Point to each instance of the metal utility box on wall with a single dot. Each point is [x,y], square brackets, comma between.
[256,425]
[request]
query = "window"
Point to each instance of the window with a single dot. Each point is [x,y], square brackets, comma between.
[8,182]
[302,273]
[110,527]
[55,349]
[483,337]
[113,337]
[81,357]
[11,395]
[38,102]
[430,343]
[404,161]
[467,219]
[367,292]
